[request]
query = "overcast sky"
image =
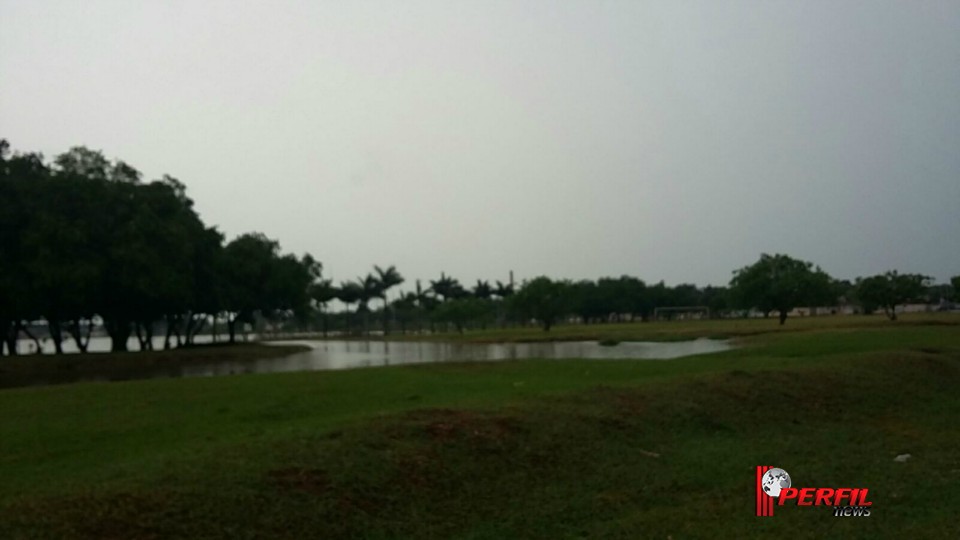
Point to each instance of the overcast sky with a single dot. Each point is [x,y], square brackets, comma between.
[670,140]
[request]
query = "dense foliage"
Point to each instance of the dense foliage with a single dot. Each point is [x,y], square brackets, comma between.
[84,239]
[780,283]
[889,290]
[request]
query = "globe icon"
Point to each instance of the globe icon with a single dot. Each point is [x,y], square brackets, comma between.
[774,480]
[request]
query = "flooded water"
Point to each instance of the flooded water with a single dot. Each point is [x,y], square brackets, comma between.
[354,354]
[331,355]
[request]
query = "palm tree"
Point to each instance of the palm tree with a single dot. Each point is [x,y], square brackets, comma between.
[447,287]
[503,291]
[349,293]
[369,289]
[322,292]
[386,279]
[426,303]
[405,308]
[482,290]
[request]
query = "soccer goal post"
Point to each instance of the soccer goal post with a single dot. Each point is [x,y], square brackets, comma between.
[681,312]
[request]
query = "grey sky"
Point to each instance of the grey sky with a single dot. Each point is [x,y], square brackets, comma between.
[670,140]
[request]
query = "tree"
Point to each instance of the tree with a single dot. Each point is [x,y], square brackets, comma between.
[248,261]
[778,283]
[210,286]
[426,303]
[322,292]
[14,213]
[84,164]
[544,300]
[60,256]
[503,290]
[482,290]
[716,299]
[462,311]
[447,288]
[939,293]
[386,279]
[622,296]
[349,292]
[406,309]
[369,289]
[889,290]
[287,296]
[586,302]
[842,293]
[86,237]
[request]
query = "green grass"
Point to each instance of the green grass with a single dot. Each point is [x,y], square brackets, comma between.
[525,449]
[675,330]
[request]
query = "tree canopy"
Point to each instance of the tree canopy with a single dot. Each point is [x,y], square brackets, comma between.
[779,283]
[889,290]
[85,237]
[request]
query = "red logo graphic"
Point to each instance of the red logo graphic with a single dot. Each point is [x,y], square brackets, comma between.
[764,501]
[774,483]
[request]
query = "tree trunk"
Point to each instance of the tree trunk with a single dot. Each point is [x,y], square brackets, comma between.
[386,322]
[232,328]
[169,332]
[783,317]
[23,328]
[86,339]
[140,339]
[119,331]
[196,329]
[188,329]
[8,338]
[77,334]
[148,335]
[56,334]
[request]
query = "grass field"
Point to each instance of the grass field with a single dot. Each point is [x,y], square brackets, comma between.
[525,449]
[652,331]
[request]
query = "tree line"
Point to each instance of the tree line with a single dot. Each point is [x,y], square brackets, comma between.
[85,241]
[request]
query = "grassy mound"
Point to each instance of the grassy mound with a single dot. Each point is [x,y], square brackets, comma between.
[529,449]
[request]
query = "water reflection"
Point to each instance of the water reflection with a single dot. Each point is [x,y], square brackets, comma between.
[329,355]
